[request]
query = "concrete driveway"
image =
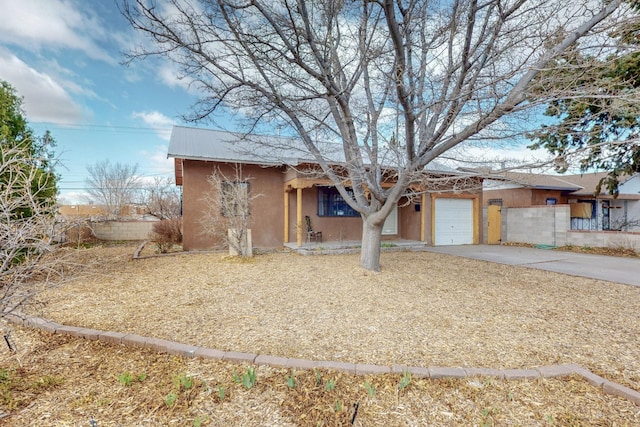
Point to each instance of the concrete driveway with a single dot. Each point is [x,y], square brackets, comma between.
[612,269]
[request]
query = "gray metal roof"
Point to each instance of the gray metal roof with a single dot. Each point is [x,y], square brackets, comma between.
[223,146]
[216,145]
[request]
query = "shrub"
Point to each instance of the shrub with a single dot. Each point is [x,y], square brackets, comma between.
[166,233]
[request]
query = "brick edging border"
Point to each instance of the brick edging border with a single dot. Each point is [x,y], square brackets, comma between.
[433,372]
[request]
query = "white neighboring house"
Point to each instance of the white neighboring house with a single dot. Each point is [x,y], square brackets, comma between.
[626,209]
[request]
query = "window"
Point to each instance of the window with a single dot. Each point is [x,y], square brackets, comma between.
[495,202]
[235,198]
[331,203]
[551,201]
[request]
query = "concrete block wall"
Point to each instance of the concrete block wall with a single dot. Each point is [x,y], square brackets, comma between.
[542,225]
[604,239]
[123,230]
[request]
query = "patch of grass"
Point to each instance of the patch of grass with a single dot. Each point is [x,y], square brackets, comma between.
[171,399]
[291,380]
[248,379]
[221,393]
[371,390]
[405,380]
[330,385]
[127,378]
[183,381]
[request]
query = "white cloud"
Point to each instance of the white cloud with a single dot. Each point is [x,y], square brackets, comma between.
[35,24]
[73,197]
[158,163]
[158,121]
[45,98]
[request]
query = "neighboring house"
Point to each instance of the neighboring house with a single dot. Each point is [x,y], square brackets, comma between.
[289,188]
[589,211]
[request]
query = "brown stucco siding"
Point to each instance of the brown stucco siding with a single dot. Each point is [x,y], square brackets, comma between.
[267,210]
[409,220]
[524,197]
[333,228]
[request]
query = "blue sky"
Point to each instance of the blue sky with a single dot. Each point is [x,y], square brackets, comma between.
[64,58]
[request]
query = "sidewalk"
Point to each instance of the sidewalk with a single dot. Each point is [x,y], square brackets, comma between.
[609,268]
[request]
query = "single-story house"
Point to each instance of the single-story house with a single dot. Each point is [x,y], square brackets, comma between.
[589,211]
[287,193]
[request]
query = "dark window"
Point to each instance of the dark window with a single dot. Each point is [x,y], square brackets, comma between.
[331,203]
[235,198]
[551,201]
[495,202]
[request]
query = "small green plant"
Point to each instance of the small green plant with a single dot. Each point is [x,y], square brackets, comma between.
[405,380]
[125,379]
[221,393]
[510,396]
[318,376]
[199,420]
[171,399]
[236,377]
[330,385]
[291,380]
[337,407]
[249,378]
[487,417]
[388,245]
[183,381]
[371,390]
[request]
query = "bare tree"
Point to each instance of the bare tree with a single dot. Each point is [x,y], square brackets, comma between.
[26,230]
[227,214]
[162,198]
[395,84]
[112,185]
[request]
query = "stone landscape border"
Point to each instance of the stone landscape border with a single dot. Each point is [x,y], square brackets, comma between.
[433,372]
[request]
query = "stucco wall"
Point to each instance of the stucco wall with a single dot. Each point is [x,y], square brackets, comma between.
[267,210]
[523,197]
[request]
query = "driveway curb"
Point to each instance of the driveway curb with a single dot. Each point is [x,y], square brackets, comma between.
[433,372]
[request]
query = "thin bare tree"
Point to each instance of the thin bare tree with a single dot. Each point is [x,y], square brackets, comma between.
[227,214]
[113,185]
[26,230]
[395,84]
[161,198]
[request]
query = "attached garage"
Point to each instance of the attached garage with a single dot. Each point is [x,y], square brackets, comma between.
[453,221]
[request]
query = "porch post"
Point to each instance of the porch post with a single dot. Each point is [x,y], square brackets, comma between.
[423,213]
[286,215]
[299,216]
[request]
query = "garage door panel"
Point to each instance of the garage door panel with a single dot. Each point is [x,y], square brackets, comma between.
[453,221]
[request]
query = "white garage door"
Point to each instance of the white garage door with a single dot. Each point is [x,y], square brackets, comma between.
[453,221]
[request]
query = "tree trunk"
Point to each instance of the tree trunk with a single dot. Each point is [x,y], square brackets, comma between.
[371,239]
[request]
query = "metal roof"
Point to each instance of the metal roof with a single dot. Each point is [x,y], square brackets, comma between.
[223,146]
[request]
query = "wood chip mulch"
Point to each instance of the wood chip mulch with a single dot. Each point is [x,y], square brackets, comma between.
[423,309]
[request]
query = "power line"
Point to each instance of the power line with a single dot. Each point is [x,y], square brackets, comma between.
[105,128]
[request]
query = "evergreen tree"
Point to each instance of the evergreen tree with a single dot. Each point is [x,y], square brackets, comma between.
[17,138]
[603,131]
